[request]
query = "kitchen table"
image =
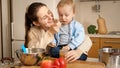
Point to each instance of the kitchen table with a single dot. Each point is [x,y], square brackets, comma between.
[76,64]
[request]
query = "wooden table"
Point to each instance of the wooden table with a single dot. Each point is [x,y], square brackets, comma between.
[76,64]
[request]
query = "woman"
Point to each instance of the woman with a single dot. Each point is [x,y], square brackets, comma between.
[40,26]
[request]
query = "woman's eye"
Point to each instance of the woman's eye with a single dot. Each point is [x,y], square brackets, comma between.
[49,12]
[44,17]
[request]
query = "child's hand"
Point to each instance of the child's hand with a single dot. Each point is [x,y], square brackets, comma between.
[55,27]
[51,45]
[66,48]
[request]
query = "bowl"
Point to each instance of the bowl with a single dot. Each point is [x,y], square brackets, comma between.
[32,57]
[110,57]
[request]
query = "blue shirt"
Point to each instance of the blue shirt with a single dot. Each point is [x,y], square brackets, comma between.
[76,37]
[64,35]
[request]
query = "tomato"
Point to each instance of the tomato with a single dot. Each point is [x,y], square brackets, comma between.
[62,62]
[59,63]
[56,63]
[46,63]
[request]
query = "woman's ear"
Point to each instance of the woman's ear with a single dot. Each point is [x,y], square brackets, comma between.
[36,23]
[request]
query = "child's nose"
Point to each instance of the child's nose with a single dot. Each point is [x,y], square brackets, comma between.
[63,17]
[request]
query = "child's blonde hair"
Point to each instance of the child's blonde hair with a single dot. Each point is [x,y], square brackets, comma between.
[66,2]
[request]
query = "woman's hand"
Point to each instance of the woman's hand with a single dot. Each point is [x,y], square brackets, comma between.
[73,55]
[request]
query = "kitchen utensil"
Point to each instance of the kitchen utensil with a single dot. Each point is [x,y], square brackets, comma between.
[33,57]
[110,57]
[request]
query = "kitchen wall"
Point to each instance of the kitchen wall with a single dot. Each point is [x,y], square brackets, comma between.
[109,10]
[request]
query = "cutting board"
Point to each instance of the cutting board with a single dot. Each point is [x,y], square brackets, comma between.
[77,64]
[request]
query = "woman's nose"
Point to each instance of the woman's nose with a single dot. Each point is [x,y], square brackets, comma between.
[50,16]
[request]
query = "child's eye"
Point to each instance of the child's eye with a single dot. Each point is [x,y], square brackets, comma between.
[60,15]
[66,15]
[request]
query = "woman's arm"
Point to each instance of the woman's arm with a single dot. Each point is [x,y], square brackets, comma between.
[83,48]
[86,45]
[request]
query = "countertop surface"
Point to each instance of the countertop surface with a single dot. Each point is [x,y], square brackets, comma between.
[77,64]
[103,36]
[90,63]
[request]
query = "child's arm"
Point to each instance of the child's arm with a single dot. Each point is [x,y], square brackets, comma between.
[66,48]
[78,37]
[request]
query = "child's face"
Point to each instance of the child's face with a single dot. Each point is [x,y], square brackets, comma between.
[66,14]
[45,17]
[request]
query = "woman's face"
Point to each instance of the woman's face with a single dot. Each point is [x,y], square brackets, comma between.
[45,17]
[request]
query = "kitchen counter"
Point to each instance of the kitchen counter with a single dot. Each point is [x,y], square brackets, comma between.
[77,64]
[103,36]
[90,63]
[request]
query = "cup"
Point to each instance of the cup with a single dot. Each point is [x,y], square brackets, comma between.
[62,53]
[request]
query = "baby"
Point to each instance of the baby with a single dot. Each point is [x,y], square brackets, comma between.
[71,33]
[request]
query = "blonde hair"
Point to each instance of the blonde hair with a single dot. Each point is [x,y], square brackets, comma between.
[66,2]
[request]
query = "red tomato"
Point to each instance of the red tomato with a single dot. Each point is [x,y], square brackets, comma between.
[56,63]
[62,62]
[46,64]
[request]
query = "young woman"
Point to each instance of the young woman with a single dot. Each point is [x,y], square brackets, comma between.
[40,26]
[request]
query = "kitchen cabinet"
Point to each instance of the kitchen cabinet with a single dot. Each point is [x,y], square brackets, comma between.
[113,42]
[99,42]
[93,53]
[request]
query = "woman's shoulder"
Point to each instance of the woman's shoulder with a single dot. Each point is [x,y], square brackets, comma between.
[36,29]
